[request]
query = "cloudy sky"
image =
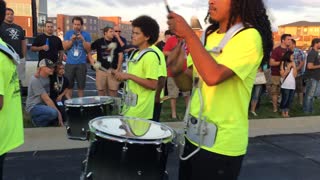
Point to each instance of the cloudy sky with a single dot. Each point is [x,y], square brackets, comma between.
[280,11]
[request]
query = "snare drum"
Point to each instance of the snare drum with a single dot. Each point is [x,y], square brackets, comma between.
[79,111]
[123,148]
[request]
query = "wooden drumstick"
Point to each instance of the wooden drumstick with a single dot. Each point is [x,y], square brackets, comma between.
[167,6]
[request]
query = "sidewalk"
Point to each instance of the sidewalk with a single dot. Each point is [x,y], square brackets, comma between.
[54,138]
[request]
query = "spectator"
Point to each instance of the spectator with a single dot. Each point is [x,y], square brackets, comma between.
[110,55]
[59,88]
[167,35]
[42,109]
[48,45]
[77,44]
[288,72]
[142,75]
[121,40]
[300,60]
[14,35]
[11,122]
[312,76]
[274,63]
[256,93]
[173,90]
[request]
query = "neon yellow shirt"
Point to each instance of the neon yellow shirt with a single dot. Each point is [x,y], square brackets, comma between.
[147,68]
[162,66]
[226,104]
[11,123]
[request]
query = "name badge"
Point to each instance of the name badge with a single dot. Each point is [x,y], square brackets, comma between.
[76,52]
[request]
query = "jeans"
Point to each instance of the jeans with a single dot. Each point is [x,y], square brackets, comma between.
[256,92]
[43,115]
[287,96]
[311,89]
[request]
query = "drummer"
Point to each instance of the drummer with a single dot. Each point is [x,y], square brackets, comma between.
[142,74]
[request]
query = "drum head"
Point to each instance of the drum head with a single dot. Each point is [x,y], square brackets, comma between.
[131,128]
[88,101]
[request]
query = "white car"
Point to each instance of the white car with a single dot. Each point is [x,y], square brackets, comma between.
[30,68]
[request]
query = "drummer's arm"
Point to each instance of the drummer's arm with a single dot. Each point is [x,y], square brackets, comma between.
[146,83]
[45,97]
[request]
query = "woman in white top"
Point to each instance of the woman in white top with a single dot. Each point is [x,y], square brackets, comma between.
[288,72]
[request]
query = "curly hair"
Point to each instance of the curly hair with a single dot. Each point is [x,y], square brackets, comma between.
[149,27]
[253,14]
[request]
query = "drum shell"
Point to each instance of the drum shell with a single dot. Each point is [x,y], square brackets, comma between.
[126,161]
[78,116]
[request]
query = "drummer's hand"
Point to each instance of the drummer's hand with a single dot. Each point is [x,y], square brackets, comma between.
[178,25]
[120,76]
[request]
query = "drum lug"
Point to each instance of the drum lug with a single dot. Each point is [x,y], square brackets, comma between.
[89,176]
[124,152]
[139,173]
[68,129]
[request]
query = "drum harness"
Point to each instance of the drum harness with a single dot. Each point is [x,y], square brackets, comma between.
[11,53]
[129,98]
[198,129]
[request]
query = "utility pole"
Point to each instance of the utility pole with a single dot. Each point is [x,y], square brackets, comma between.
[34,18]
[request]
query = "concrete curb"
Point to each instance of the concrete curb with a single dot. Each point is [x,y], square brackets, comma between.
[54,138]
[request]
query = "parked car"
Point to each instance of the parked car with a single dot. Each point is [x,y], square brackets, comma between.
[30,68]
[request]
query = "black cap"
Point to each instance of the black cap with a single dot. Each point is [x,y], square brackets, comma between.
[46,63]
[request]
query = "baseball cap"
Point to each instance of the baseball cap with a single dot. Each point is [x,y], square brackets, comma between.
[106,28]
[46,63]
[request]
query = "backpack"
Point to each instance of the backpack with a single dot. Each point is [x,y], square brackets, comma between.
[10,52]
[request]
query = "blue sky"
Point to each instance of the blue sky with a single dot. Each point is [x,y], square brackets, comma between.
[280,11]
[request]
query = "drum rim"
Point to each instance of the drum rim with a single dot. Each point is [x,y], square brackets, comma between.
[128,139]
[110,100]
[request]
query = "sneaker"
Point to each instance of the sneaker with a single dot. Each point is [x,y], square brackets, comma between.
[254,113]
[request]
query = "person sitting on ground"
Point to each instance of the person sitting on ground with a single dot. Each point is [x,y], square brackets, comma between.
[42,109]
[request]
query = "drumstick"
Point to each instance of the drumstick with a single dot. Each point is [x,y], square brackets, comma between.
[167,6]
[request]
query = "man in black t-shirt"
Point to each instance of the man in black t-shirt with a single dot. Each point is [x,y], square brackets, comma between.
[110,55]
[14,35]
[48,45]
[312,76]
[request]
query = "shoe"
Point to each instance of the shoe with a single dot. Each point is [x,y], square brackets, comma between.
[254,113]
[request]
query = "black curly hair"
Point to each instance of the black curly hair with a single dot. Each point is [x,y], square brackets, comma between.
[253,14]
[149,27]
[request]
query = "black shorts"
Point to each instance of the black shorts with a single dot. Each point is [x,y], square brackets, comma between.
[76,72]
[208,165]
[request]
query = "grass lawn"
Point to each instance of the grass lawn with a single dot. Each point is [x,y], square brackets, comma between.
[263,111]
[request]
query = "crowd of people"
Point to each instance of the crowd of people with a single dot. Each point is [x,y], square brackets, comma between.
[289,74]
[222,66]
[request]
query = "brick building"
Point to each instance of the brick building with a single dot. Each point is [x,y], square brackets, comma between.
[302,31]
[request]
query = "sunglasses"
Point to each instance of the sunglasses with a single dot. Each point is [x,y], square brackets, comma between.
[117,31]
